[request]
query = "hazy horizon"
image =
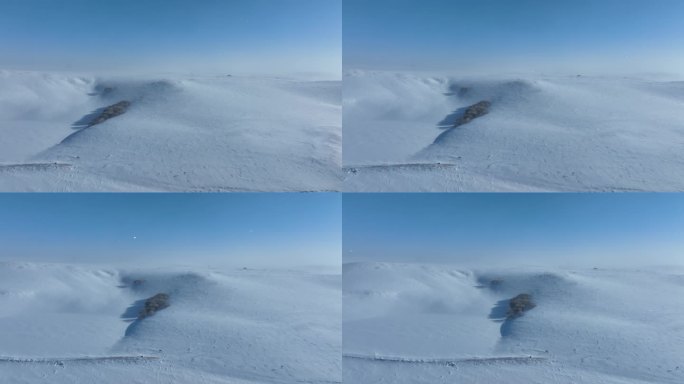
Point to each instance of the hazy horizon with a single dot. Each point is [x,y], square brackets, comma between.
[180,36]
[250,230]
[480,36]
[490,230]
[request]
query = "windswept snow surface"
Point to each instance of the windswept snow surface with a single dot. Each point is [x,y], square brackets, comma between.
[77,324]
[202,133]
[555,133]
[410,323]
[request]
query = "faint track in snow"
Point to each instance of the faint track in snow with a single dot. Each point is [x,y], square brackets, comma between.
[449,361]
[400,166]
[86,359]
[33,167]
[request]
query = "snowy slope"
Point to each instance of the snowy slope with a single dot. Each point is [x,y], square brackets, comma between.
[204,133]
[556,133]
[77,324]
[437,324]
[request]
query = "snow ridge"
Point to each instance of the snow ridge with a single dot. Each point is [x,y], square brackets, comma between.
[545,133]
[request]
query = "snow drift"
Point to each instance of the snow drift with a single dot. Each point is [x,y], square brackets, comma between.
[437,324]
[204,133]
[571,133]
[71,324]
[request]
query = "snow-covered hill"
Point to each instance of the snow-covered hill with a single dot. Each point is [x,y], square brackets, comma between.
[203,133]
[411,323]
[555,133]
[78,324]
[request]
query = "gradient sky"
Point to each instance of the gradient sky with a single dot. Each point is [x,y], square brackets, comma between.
[252,229]
[558,229]
[273,36]
[607,35]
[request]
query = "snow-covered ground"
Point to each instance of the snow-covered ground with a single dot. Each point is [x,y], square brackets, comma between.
[64,323]
[202,133]
[543,133]
[411,323]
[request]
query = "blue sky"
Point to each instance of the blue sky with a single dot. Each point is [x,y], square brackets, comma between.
[622,35]
[559,229]
[254,229]
[275,36]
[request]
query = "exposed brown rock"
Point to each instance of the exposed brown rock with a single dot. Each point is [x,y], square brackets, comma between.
[154,304]
[111,111]
[473,112]
[519,304]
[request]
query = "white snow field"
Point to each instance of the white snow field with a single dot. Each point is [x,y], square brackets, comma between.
[411,323]
[202,133]
[544,133]
[65,323]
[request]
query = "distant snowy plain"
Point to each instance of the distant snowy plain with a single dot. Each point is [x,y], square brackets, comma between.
[194,133]
[412,323]
[542,133]
[66,323]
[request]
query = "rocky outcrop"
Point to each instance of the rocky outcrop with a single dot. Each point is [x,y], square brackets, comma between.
[154,304]
[473,112]
[111,111]
[520,304]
